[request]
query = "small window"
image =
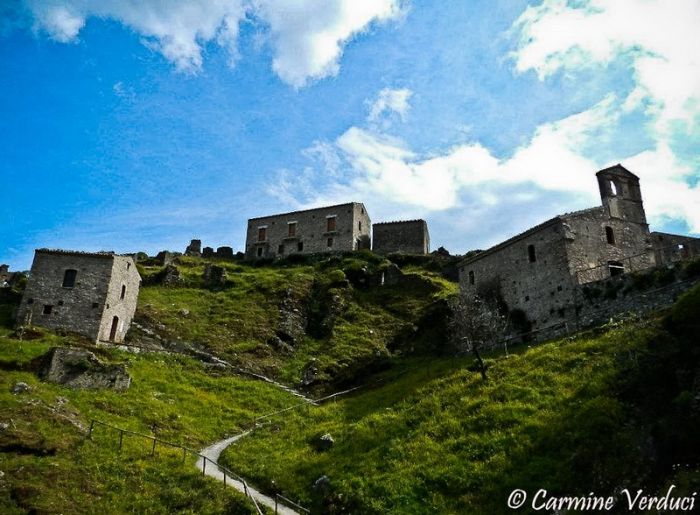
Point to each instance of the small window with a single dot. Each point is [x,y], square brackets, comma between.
[30,301]
[527,298]
[531,253]
[123,294]
[559,288]
[616,268]
[471,276]
[262,233]
[69,278]
[95,305]
[291,229]
[329,242]
[300,246]
[260,251]
[330,224]
[128,266]
[280,250]
[48,308]
[613,189]
[610,235]
[60,303]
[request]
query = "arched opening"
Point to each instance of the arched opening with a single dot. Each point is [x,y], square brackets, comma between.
[113,330]
[69,278]
[610,235]
[123,294]
[613,189]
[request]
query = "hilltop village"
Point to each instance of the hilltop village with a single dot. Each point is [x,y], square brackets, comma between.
[542,274]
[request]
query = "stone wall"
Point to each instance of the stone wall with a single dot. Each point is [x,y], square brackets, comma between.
[530,272]
[89,305]
[406,237]
[594,240]
[271,236]
[671,248]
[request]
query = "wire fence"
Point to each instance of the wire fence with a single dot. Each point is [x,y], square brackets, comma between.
[227,474]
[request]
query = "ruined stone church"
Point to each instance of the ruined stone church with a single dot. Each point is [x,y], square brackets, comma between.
[540,270]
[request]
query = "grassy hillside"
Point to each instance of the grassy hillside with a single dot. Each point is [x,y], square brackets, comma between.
[49,466]
[284,318]
[595,413]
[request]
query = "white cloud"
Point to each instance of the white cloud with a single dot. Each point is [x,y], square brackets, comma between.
[661,38]
[390,100]
[307,36]
[552,165]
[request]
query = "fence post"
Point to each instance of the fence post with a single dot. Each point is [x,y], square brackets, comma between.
[92,425]
[153,450]
[204,464]
[224,479]
[276,495]
[121,439]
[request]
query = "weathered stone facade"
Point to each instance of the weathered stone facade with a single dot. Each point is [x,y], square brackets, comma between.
[405,237]
[93,294]
[671,248]
[540,270]
[340,228]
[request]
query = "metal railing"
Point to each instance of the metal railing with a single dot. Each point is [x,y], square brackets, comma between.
[226,473]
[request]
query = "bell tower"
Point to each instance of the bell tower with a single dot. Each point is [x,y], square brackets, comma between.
[621,195]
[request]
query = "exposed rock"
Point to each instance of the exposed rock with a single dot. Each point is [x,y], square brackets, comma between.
[4,426]
[171,276]
[80,368]
[224,253]
[194,248]
[323,483]
[20,387]
[393,275]
[214,275]
[325,442]
[165,258]
[280,345]
[183,312]
[309,375]
[292,320]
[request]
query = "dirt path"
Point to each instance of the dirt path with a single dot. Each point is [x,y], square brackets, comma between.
[213,452]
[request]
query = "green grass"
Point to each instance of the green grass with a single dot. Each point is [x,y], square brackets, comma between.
[51,467]
[352,331]
[591,414]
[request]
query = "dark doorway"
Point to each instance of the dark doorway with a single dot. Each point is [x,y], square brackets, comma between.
[113,330]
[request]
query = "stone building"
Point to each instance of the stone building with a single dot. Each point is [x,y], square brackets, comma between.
[540,270]
[6,277]
[93,294]
[405,237]
[339,228]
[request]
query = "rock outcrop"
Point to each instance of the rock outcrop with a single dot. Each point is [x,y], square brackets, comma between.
[80,368]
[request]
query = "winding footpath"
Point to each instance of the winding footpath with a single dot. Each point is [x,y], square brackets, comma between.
[213,452]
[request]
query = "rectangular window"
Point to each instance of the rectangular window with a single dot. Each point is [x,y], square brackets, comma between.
[300,246]
[471,277]
[69,278]
[262,233]
[280,250]
[610,235]
[48,308]
[359,226]
[329,243]
[260,251]
[330,224]
[123,294]
[291,229]
[531,253]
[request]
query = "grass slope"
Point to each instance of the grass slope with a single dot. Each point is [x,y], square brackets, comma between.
[572,416]
[350,330]
[50,467]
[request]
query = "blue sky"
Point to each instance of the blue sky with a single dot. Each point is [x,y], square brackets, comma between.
[136,126]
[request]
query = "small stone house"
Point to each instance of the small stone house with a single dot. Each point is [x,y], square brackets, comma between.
[404,237]
[93,294]
[339,228]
